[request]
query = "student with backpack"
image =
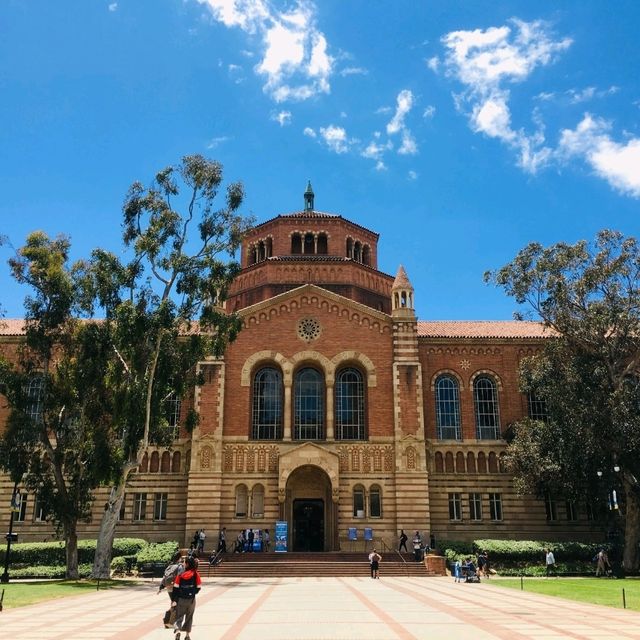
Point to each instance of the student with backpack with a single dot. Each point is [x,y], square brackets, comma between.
[171,572]
[186,586]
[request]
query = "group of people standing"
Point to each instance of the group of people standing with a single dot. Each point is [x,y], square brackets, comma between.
[247,539]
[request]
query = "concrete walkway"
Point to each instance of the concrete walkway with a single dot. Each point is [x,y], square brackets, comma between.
[319,608]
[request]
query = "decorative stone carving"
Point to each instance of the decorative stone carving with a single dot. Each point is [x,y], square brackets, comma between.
[205,458]
[410,453]
[366,460]
[262,459]
[228,458]
[251,460]
[388,459]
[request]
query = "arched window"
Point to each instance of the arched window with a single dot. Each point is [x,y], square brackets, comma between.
[165,462]
[357,251]
[459,462]
[175,462]
[349,248]
[241,501]
[172,408]
[144,465]
[309,244]
[34,392]
[296,244]
[350,423]
[448,462]
[439,462]
[257,501]
[155,462]
[267,405]
[482,463]
[493,463]
[309,405]
[366,255]
[486,403]
[269,247]
[471,462]
[358,501]
[447,408]
[375,502]
[322,244]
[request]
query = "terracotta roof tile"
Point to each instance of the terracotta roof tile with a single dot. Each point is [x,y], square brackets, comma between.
[482,329]
[11,327]
[402,280]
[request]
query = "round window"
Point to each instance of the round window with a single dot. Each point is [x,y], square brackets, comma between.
[309,329]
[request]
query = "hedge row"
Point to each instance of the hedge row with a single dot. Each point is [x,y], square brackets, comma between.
[51,572]
[519,554]
[48,554]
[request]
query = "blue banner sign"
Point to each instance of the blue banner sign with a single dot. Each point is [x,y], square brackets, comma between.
[352,533]
[368,533]
[282,530]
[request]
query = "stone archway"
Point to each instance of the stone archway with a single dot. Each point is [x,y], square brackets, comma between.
[308,495]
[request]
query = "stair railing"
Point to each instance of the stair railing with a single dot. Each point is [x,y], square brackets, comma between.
[386,548]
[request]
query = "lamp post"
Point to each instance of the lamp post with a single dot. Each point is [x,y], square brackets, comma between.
[10,536]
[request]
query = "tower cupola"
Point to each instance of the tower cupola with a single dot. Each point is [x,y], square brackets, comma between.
[308,197]
[402,294]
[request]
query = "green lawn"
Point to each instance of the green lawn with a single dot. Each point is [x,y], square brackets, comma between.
[19,594]
[596,591]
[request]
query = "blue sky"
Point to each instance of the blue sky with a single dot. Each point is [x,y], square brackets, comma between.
[459,131]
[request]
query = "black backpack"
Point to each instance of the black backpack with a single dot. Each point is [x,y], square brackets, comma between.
[188,588]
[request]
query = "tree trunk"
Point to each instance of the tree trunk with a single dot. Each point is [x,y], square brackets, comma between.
[104,546]
[71,551]
[631,552]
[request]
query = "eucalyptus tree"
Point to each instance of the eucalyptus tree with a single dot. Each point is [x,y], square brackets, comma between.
[588,295]
[164,307]
[56,440]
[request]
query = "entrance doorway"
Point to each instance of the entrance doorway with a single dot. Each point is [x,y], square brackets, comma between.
[308,525]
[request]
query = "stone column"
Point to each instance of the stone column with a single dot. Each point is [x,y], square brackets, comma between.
[287,412]
[330,417]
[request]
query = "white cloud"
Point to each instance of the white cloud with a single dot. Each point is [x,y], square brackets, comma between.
[295,60]
[404,104]
[412,175]
[375,151]
[408,146]
[216,142]
[429,112]
[353,71]
[617,163]
[381,166]
[433,63]
[234,67]
[383,110]
[581,96]
[308,131]
[113,6]
[484,61]
[282,117]
[335,138]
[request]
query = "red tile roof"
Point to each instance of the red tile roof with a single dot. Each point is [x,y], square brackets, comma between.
[11,327]
[482,329]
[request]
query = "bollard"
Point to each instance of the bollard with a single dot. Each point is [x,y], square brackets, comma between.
[624,600]
[521,583]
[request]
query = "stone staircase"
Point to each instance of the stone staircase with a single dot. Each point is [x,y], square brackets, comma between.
[294,564]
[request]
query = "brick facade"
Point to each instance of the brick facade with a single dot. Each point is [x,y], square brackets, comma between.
[311,298]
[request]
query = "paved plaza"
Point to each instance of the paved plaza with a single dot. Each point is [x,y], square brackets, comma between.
[319,608]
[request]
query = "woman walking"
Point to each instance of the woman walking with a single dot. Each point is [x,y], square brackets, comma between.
[185,588]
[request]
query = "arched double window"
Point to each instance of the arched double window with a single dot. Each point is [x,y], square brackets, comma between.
[375,502]
[447,408]
[242,498]
[485,397]
[267,405]
[309,405]
[358,501]
[350,422]
[257,501]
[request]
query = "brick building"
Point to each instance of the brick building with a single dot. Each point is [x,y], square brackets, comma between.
[336,407]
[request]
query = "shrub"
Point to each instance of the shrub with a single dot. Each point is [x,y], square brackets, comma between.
[119,566]
[53,553]
[156,552]
[49,572]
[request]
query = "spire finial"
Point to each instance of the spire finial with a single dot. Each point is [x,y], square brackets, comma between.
[308,197]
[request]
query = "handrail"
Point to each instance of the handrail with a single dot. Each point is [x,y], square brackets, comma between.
[384,545]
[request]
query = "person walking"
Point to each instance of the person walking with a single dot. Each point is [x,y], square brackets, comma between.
[266,540]
[603,567]
[551,562]
[417,547]
[250,537]
[374,561]
[457,571]
[186,585]
[201,537]
[172,570]
[222,540]
[403,541]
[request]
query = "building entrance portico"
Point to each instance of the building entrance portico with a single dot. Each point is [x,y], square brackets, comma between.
[308,492]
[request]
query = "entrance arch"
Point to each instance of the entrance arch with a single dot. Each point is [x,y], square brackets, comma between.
[310,510]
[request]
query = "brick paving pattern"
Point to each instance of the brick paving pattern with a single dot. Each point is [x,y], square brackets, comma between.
[324,608]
